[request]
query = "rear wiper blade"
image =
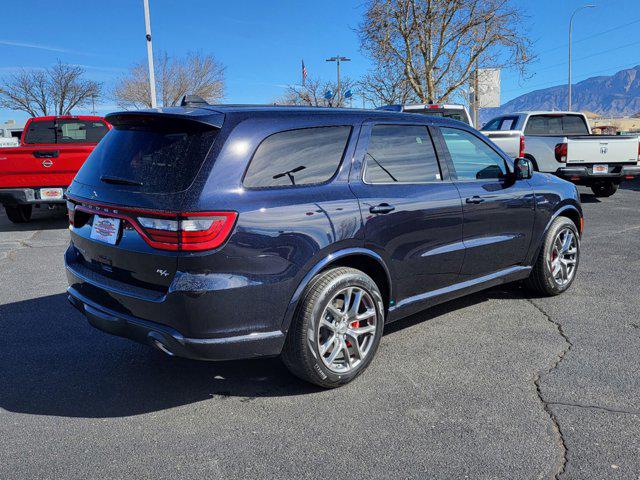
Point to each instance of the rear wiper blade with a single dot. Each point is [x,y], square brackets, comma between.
[120,181]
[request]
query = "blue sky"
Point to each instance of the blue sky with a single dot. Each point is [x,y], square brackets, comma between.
[262,42]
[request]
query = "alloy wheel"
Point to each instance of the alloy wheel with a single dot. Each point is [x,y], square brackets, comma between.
[564,257]
[347,329]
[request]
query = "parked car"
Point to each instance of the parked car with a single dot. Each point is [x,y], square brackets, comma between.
[227,232]
[51,151]
[561,143]
[452,110]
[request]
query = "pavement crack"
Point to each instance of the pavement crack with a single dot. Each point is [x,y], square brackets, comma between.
[593,407]
[560,469]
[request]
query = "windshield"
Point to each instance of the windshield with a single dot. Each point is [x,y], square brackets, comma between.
[65,131]
[150,158]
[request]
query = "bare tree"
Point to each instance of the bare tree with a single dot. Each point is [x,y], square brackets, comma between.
[196,74]
[313,92]
[386,85]
[56,90]
[438,43]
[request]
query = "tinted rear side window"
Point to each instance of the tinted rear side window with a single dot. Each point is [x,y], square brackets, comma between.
[297,157]
[401,153]
[65,131]
[159,158]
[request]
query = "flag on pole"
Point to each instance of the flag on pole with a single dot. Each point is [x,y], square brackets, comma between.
[304,73]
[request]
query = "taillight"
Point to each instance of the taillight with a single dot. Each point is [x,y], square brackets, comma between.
[71,211]
[561,152]
[639,152]
[194,231]
[521,146]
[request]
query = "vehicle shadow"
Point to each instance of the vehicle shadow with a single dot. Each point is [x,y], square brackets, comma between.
[632,185]
[589,198]
[54,363]
[40,220]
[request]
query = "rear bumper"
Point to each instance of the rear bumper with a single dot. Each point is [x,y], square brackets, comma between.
[584,173]
[172,342]
[24,196]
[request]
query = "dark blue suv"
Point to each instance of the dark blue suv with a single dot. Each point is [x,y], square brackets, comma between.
[227,232]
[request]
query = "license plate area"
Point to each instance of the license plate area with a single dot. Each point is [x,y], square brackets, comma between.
[105,229]
[600,169]
[51,193]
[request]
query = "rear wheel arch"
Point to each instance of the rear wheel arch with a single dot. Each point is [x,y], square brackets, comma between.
[361,259]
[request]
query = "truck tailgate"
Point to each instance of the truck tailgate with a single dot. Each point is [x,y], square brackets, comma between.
[41,165]
[602,149]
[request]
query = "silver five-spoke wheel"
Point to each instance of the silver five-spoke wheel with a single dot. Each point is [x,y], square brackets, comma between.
[347,329]
[563,257]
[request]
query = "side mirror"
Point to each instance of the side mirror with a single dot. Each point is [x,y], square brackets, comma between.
[523,168]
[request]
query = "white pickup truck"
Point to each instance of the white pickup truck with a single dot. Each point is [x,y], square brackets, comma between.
[561,143]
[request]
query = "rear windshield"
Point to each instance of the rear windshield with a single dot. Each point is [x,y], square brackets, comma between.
[456,114]
[65,131]
[556,125]
[154,158]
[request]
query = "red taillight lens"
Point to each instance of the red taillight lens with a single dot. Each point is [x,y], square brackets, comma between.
[194,231]
[521,146]
[561,152]
[189,231]
[639,153]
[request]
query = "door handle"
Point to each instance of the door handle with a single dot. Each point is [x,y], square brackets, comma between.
[382,208]
[46,153]
[475,199]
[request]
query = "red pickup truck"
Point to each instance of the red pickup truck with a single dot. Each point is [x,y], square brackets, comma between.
[51,151]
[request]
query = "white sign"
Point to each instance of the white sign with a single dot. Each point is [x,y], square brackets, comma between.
[488,87]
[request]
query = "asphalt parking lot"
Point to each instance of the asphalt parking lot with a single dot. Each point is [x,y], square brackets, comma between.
[497,385]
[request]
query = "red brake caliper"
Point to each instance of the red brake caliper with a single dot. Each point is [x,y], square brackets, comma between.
[355,324]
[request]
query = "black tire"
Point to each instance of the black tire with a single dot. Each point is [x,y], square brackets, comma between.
[604,189]
[300,353]
[541,279]
[19,213]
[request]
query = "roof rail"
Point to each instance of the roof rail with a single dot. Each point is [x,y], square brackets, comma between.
[193,101]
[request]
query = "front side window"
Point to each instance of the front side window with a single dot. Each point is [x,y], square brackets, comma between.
[297,157]
[472,158]
[501,123]
[401,153]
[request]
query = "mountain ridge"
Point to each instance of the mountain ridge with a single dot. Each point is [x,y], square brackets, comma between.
[616,95]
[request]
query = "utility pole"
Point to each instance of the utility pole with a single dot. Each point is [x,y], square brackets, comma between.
[570,29]
[338,59]
[152,76]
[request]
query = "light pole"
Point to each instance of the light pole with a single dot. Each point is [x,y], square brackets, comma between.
[570,29]
[152,76]
[338,59]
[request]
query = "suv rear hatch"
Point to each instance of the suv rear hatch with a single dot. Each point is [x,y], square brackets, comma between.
[125,203]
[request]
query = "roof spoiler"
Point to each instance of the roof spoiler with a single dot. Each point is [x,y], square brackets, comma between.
[205,118]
